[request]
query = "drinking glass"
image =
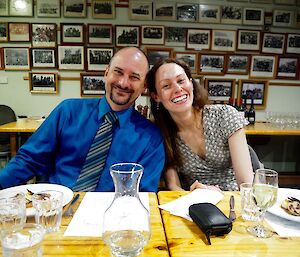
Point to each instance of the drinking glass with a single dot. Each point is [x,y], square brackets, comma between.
[264,194]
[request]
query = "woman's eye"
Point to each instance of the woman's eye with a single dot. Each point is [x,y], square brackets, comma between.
[165,86]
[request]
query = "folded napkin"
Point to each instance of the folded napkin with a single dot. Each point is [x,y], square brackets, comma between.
[180,206]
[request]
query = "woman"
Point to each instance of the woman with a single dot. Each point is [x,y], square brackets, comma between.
[203,142]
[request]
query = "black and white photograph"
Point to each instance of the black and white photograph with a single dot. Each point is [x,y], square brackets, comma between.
[164,11]
[156,53]
[187,12]
[175,36]
[19,31]
[153,35]
[140,10]
[71,57]
[231,15]
[297,19]
[43,83]
[248,40]
[16,58]
[293,44]
[127,35]
[191,58]
[283,18]
[220,89]
[223,40]
[26,10]
[43,58]
[43,35]
[92,84]
[100,34]
[262,66]
[209,13]
[288,67]
[211,64]
[4,10]
[72,33]
[238,64]
[103,9]
[74,8]
[253,16]
[273,43]
[46,8]
[3,31]
[198,39]
[98,58]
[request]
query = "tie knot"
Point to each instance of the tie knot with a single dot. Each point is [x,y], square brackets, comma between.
[111,117]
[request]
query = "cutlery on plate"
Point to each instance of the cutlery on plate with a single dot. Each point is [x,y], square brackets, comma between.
[291,198]
[69,211]
[232,215]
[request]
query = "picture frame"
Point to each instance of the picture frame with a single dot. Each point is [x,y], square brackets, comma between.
[288,67]
[152,34]
[19,31]
[293,43]
[100,34]
[263,66]
[43,34]
[103,9]
[210,63]
[175,36]
[25,10]
[223,40]
[231,14]
[92,84]
[3,31]
[43,58]
[43,82]
[256,89]
[198,39]
[209,13]
[70,57]
[72,33]
[191,58]
[248,40]
[187,12]
[49,9]
[140,10]
[16,58]
[74,8]
[127,35]
[155,54]
[253,16]
[283,18]
[297,19]
[1,59]
[98,58]
[220,89]
[4,8]
[164,11]
[273,43]
[238,64]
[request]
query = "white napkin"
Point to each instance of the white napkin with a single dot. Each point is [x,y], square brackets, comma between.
[180,206]
[88,218]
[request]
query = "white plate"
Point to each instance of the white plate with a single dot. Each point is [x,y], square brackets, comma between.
[68,193]
[283,193]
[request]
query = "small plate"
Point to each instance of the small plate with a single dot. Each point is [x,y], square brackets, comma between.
[68,193]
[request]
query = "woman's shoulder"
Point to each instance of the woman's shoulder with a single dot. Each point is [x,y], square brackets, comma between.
[219,109]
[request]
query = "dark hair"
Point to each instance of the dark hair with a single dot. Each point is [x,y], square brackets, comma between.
[162,117]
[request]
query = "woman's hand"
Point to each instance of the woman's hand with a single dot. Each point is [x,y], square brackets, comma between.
[197,184]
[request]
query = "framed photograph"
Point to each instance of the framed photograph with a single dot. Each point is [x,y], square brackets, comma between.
[283,18]
[43,35]
[4,10]
[25,9]
[155,54]
[92,84]
[211,64]
[253,16]
[238,64]
[19,31]
[1,59]
[256,89]
[153,35]
[175,36]
[103,9]
[43,83]
[16,58]
[191,58]
[43,58]
[220,90]
[231,14]
[140,10]
[273,43]
[74,8]
[187,12]
[288,67]
[209,13]
[297,19]
[71,57]
[198,39]
[248,40]
[46,8]
[98,58]
[100,34]
[127,35]
[3,31]
[223,40]
[285,2]
[164,11]
[263,66]
[72,33]
[293,44]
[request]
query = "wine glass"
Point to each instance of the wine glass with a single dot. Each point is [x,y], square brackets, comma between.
[264,193]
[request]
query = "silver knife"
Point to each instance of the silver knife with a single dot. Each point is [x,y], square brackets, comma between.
[232,215]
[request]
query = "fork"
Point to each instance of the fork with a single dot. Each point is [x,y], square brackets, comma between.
[69,212]
[291,198]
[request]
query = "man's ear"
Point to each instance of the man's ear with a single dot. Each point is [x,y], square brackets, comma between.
[106,71]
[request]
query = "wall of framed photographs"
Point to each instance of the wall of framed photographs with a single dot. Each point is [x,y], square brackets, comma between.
[58,51]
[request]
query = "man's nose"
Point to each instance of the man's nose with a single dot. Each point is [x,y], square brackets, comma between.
[124,81]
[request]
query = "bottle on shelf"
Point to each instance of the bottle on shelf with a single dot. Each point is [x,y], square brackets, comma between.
[251,113]
[243,107]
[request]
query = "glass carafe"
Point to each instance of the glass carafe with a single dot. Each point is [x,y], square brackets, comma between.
[126,222]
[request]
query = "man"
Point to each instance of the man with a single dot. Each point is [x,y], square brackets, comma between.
[58,149]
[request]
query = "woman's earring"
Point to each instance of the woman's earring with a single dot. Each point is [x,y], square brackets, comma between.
[157,106]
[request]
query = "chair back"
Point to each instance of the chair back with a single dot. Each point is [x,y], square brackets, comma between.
[256,163]
[6,115]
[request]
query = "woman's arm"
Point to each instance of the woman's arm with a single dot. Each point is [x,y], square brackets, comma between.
[172,180]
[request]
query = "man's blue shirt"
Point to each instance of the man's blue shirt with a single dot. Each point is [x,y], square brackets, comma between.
[57,150]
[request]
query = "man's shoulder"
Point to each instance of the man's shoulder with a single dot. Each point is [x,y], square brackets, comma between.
[77,102]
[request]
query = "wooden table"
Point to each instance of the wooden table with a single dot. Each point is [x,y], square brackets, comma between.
[263,128]
[185,239]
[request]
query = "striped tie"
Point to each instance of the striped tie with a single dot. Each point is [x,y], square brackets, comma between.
[96,157]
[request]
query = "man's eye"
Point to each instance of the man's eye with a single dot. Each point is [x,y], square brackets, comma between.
[118,71]
[181,81]
[135,78]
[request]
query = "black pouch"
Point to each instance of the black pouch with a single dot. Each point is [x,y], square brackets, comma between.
[210,219]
